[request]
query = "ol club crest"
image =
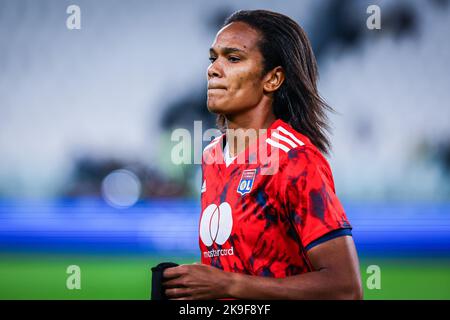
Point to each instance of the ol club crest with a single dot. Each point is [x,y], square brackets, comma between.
[246,183]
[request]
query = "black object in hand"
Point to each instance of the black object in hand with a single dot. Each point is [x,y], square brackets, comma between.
[157,279]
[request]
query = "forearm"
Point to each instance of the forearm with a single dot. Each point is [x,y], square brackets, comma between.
[312,285]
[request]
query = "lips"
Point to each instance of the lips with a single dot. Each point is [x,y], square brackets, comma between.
[216,87]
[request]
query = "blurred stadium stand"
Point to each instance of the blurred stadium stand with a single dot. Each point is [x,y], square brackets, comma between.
[105,93]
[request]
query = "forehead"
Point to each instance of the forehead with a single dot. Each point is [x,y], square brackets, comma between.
[237,35]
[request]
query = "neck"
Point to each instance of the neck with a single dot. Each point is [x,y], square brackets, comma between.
[243,129]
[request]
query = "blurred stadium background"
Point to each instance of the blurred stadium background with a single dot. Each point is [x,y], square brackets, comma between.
[86,118]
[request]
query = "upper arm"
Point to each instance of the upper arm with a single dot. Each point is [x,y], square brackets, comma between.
[338,257]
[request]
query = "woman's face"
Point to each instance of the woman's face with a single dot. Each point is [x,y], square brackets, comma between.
[235,80]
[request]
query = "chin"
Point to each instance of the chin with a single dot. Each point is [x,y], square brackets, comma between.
[215,107]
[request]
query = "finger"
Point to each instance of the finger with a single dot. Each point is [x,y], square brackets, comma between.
[173,283]
[173,272]
[184,298]
[176,293]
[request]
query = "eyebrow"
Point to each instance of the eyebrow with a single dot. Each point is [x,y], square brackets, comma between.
[227,50]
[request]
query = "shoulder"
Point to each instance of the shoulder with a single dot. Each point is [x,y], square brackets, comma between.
[299,154]
[212,144]
[307,155]
[211,152]
[294,146]
[286,138]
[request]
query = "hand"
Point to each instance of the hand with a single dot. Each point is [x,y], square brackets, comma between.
[196,282]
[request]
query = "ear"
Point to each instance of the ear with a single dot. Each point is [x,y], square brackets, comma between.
[273,79]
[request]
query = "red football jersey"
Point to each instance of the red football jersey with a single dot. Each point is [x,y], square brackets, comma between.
[265,209]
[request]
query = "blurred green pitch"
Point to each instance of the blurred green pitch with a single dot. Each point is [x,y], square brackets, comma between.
[43,276]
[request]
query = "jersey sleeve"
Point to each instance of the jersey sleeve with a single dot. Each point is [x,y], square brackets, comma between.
[310,200]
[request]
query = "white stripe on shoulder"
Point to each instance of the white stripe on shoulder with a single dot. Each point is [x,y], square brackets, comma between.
[212,143]
[280,128]
[283,138]
[277,145]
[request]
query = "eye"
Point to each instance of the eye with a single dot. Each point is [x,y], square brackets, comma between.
[212,59]
[233,59]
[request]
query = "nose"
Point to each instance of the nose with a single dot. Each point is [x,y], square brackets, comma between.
[214,70]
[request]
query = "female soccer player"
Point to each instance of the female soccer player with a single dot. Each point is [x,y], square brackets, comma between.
[271,225]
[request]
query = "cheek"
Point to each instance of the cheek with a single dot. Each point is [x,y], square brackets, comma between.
[247,86]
